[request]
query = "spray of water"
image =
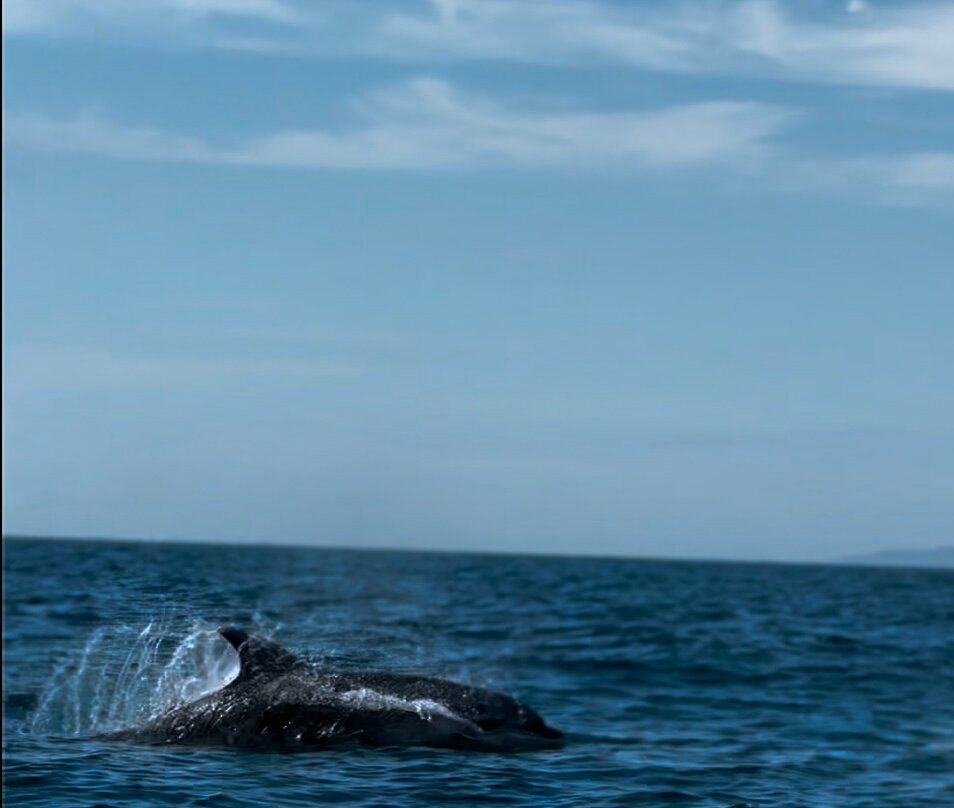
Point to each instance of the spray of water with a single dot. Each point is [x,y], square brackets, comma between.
[126,675]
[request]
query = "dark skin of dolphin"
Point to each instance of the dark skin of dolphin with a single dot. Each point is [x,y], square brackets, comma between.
[280,702]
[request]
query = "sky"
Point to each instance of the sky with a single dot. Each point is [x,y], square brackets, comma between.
[569,276]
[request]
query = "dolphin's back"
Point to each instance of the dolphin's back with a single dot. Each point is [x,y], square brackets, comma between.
[487,709]
[277,701]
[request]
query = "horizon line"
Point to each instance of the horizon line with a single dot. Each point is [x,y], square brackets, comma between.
[848,561]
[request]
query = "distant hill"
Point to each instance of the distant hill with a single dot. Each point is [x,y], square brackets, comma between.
[942,557]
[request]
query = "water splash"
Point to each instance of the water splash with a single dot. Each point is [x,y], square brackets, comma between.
[126,675]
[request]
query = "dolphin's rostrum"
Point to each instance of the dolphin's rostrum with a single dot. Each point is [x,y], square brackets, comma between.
[280,701]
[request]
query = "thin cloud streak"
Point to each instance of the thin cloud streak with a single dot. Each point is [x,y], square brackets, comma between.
[915,178]
[905,46]
[929,171]
[427,124]
[908,47]
[102,17]
[35,368]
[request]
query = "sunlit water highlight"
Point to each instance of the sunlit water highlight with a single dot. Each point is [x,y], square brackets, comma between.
[677,683]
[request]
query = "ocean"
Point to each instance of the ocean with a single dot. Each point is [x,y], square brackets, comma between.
[676,683]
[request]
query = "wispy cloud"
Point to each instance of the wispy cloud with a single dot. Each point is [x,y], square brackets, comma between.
[925,171]
[916,177]
[430,125]
[103,17]
[427,124]
[94,135]
[200,342]
[901,45]
[34,367]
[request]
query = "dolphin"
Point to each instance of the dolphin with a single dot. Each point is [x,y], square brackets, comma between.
[280,702]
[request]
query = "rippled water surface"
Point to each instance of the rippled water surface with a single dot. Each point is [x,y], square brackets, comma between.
[697,684]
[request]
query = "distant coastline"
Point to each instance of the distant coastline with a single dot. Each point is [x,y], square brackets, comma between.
[932,557]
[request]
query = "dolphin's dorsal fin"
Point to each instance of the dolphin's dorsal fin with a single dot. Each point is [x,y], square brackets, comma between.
[258,655]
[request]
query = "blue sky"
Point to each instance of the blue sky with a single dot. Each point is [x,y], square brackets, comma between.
[593,277]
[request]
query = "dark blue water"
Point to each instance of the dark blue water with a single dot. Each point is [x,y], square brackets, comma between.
[696,684]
